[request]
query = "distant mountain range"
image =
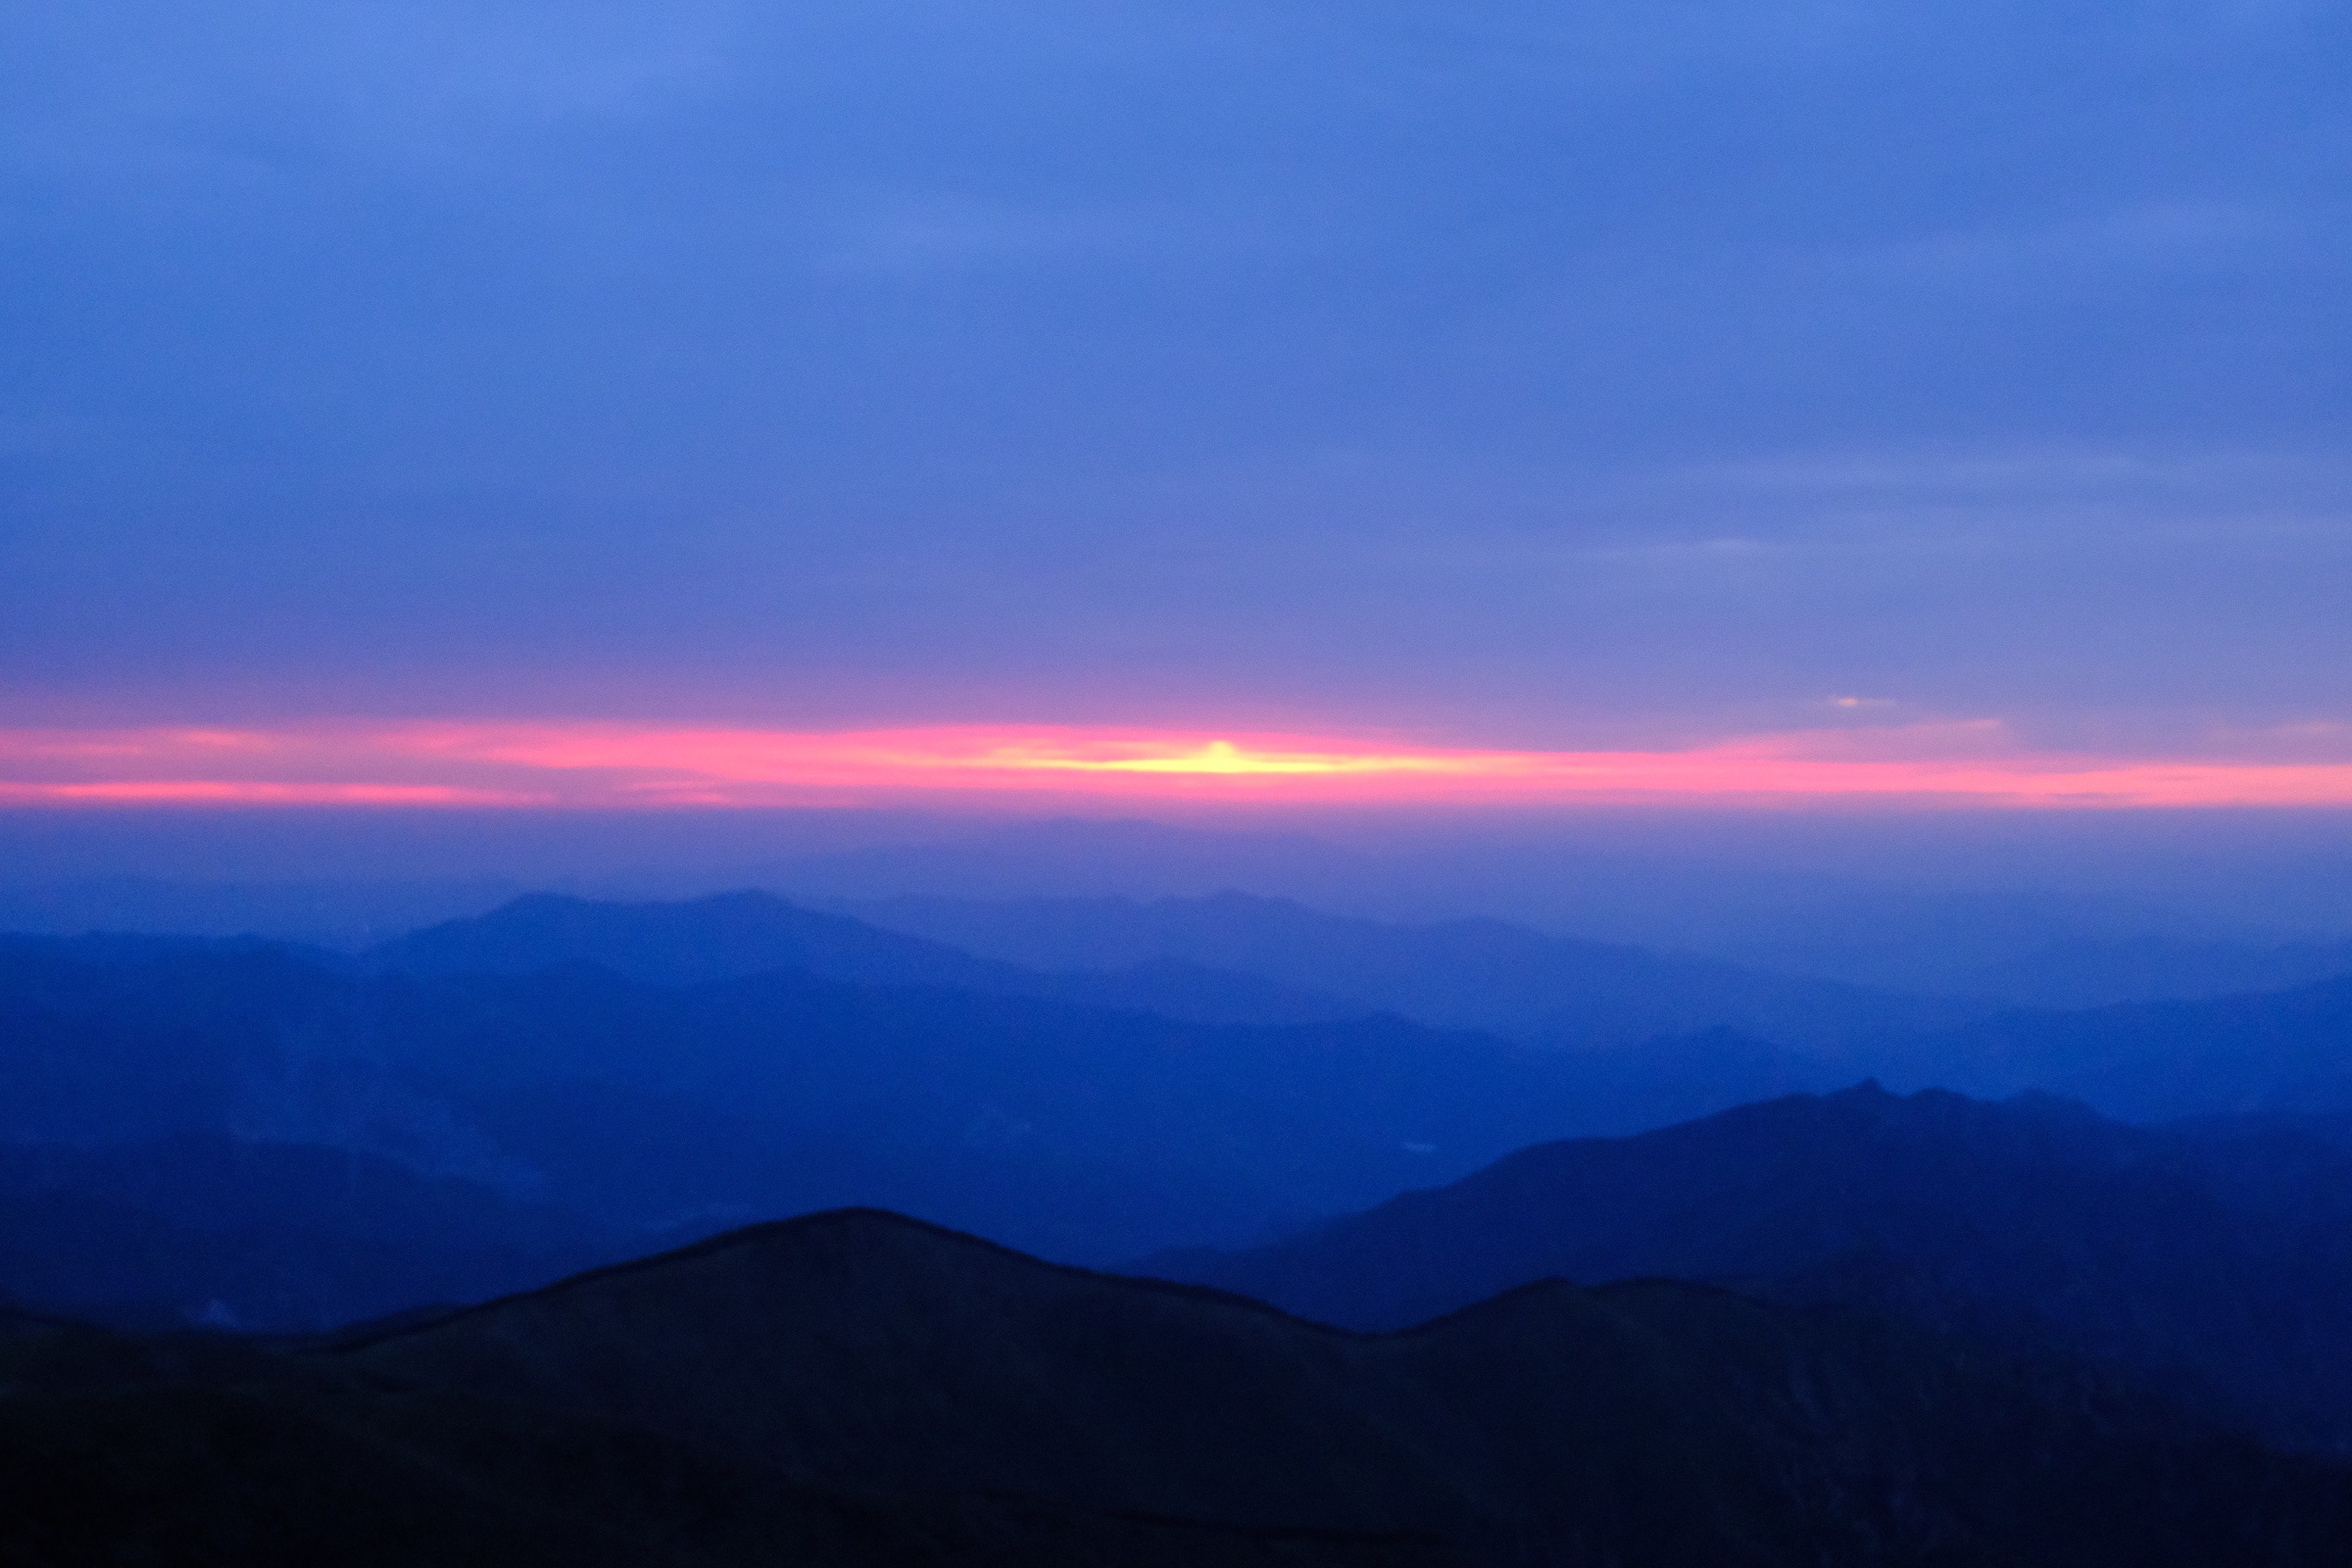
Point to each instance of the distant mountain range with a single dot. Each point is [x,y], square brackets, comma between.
[649,1110]
[2214,1257]
[2086,972]
[1528,981]
[1233,958]
[1893,920]
[2148,1061]
[853,1389]
[1468,974]
[732,935]
[586,1080]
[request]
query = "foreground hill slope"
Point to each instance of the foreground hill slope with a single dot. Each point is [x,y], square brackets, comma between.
[2220,1255]
[215,1454]
[840,1388]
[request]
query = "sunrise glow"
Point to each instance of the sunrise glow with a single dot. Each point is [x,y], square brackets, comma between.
[607,766]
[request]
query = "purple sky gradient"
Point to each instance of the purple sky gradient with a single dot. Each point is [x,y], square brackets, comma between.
[1504,374]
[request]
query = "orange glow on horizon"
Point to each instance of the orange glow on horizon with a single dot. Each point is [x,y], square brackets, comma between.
[611,764]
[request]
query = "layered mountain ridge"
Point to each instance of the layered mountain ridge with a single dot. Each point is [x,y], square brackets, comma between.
[2215,1259]
[1464,973]
[853,1386]
[623,1077]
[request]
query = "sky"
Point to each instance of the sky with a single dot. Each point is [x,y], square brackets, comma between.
[534,404]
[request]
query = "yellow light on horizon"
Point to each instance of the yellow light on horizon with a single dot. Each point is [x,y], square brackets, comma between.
[620,764]
[1225,759]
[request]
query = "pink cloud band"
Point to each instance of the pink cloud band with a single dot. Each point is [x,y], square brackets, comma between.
[604,765]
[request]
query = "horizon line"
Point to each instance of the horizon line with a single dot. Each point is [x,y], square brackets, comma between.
[609,764]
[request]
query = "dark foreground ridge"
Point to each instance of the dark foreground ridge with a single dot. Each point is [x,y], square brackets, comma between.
[2215,1259]
[854,1388]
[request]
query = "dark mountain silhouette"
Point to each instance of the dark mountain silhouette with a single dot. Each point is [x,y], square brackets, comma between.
[1468,974]
[854,1388]
[2153,1061]
[2332,1127]
[215,1453]
[2217,1258]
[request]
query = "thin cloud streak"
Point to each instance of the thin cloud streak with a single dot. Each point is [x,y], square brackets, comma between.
[609,766]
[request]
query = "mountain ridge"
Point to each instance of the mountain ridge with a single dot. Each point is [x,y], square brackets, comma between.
[738,934]
[857,1309]
[1519,981]
[2216,1254]
[2289,1049]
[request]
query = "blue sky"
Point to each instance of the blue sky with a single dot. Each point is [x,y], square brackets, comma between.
[1503,374]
